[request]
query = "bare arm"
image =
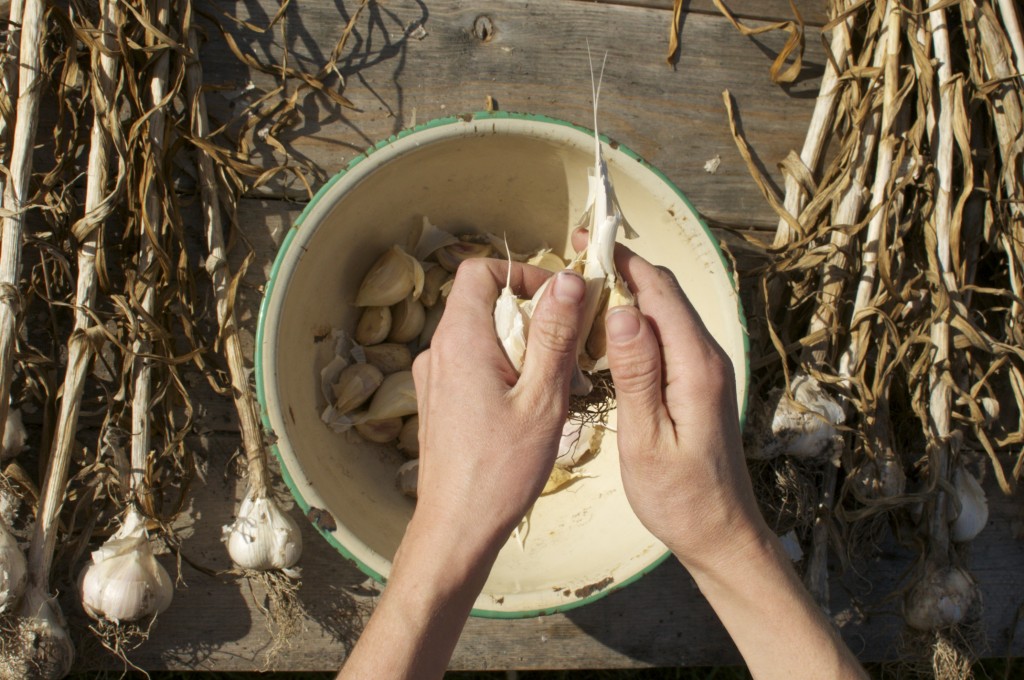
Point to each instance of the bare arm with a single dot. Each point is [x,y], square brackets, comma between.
[488,440]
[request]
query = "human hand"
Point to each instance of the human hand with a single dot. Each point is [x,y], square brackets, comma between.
[488,437]
[680,450]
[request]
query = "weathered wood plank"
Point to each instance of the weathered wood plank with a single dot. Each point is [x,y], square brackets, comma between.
[813,12]
[408,65]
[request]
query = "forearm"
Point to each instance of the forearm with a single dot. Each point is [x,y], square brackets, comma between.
[776,625]
[420,617]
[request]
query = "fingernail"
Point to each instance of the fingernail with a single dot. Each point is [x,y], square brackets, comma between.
[569,287]
[622,324]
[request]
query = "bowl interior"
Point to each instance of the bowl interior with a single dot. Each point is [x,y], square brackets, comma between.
[515,175]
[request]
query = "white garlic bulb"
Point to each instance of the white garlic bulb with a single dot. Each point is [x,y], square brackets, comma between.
[13,571]
[941,599]
[42,648]
[804,425]
[970,507]
[262,536]
[124,582]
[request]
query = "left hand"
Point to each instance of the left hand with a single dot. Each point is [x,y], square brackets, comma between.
[488,437]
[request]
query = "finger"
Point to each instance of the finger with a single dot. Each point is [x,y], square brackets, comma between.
[552,339]
[420,380]
[634,357]
[479,281]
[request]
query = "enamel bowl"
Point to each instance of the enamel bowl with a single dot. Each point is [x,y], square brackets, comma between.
[524,176]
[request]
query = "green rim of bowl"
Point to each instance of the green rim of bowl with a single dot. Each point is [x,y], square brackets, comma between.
[271,283]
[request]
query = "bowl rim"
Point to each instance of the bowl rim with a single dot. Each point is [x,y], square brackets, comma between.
[281,257]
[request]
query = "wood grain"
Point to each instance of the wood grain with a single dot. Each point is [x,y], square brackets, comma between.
[410,64]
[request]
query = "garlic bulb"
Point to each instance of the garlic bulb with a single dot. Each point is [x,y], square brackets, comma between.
[973,507]
[41,648]
[124,582]
[407,477]
[804,425]
[393,277]
[939,600]
[13,571]
[263,537]
[396,397]
[15,435]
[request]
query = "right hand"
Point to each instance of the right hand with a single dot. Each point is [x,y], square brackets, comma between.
[680,449]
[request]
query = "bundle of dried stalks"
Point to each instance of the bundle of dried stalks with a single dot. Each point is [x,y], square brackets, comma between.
[894,293]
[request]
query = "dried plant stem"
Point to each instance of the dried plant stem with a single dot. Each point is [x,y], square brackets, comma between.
[217,266]
[1008,8]
[16,191]
[9,74]
[152,217]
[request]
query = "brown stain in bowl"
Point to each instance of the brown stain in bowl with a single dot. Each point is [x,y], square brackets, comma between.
[587,591]
[322,519]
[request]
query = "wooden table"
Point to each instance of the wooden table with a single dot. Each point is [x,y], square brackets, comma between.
[409,61]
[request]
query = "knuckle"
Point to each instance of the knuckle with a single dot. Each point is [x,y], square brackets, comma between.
[636,372]
[554,334]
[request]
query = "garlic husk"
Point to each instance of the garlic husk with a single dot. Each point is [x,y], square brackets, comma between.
[940,600]
[804,425]
[395,398]
[15,435]
[882,477]
[380,431]
[578,441]
[388,357]
[450,257]
[374,325]
[407,477]
[407,319]
[434,279]
[431,238]
[41,648]
[263,537]
[394,276]
[409,437]
[124,582]
[355,385]
[545,259]
[510,326]
[973,507]
[13,570]
[560,478]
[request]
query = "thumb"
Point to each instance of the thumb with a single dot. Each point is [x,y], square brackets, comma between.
[634,357]
[552,337]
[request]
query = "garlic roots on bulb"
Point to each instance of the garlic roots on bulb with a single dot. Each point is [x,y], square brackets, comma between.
[263,537]
[124,582]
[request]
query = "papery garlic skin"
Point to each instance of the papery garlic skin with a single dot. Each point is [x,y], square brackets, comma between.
[973,507]
[804,425]
[263,537]
[124,582]
[578,440]
[13,570]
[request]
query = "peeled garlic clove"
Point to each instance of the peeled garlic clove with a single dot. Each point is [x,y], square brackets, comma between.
[389,357]
[13,570]
[578,441]
[355,386]
[380,431]
[430,324]
[124,582]
[396,397]
[15,435]
[407,477]
[394,276]
[973,507]
[262,536]
[407,318]
[374,325]
[450,257]
[546,259]
[434,278]
[409,437]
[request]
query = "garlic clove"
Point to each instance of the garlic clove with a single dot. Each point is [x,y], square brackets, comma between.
[380,431]
[389,357]
[393,277]
[355,386]
[396,397]
[409,437]
[13,570]
[546,259]
[430,239]
[969,507]
[450,257]
[124,581]
[263,537]
[578,441]
[374,326]
[15,435]
[407,478]
[407,319]
[434,279]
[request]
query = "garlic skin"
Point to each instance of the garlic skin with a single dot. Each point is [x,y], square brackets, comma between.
[578,440]
[13,570]
[939,600]
[510,326]
[804,425]
[124,582]
[263,537]
[973,507]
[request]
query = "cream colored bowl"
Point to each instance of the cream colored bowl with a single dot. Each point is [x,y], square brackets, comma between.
[520,175]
